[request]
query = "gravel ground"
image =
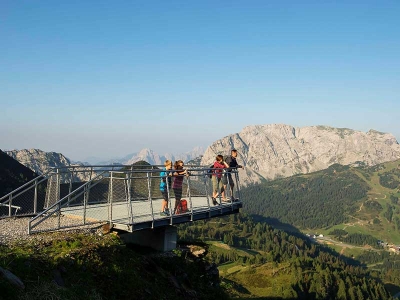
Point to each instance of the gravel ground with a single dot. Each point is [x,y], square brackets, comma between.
[13,229]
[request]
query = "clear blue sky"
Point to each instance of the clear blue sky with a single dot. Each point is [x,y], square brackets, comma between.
[108,78]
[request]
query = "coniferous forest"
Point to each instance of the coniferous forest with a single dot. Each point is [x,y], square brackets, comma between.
[308,201]
[301,268]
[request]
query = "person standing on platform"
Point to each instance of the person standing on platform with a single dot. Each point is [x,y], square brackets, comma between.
[233,164]
[165,185]
[219,165]
[178,182]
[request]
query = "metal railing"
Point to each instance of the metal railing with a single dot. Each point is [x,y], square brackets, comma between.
[24,200]
[123,196]
[34,196]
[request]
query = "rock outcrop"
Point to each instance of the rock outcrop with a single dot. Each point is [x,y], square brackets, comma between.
[277,150]
[41,162]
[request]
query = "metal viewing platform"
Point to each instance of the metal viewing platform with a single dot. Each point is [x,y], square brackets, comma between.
[126,197]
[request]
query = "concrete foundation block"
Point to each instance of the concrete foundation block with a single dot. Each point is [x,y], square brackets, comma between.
[161,238]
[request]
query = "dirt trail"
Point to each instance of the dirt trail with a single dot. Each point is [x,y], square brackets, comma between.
[361,206]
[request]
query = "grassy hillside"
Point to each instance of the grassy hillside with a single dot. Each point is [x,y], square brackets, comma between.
[362,200]
[89,266]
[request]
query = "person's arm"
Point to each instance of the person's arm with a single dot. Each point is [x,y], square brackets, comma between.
[180,173]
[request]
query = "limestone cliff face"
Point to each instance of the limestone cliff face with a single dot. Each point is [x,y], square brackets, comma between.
[40,161]
[277,150]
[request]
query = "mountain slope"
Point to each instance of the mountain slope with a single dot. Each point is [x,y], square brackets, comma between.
[276,150]
[360,199]
[38,160]
[12,174]
[256,260]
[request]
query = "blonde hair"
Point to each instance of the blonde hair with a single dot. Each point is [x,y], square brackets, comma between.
[167,162]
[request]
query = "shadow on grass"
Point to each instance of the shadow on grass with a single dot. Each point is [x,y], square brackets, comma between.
[276,223]
[235,286]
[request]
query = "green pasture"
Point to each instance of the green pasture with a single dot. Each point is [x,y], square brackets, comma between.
[269,280]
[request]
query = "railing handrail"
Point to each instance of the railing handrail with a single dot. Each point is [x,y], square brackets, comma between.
[116,166]
[62,199]
[52,170]
[44,175]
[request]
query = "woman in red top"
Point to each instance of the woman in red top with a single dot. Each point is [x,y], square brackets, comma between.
[219,164]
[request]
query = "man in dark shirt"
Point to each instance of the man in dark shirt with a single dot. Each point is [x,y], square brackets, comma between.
[231,161]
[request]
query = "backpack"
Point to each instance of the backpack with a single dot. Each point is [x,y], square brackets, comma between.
[182,207]
[228,159]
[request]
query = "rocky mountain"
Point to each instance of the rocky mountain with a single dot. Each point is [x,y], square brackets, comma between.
[154,158]
[267,151]
[41,162]
[277,150]
[38,160]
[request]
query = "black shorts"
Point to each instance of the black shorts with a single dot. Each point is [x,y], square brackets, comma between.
[178,194]
[165,194]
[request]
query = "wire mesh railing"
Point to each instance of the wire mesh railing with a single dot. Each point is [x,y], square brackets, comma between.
[126,196]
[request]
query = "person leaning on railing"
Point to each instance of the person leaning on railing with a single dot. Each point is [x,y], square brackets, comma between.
[218,165]
[233,164]
[178,182]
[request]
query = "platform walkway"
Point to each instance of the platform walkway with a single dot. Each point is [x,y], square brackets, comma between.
[198,210]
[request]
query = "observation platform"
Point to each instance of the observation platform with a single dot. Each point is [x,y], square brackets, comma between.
[126,197]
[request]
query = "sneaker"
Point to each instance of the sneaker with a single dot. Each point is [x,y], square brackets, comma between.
[164,214]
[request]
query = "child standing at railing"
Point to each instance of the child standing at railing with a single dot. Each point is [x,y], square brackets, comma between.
[178,182]
[165,186]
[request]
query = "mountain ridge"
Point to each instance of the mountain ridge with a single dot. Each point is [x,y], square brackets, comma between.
[41,162]
[268,151]
[274,151]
